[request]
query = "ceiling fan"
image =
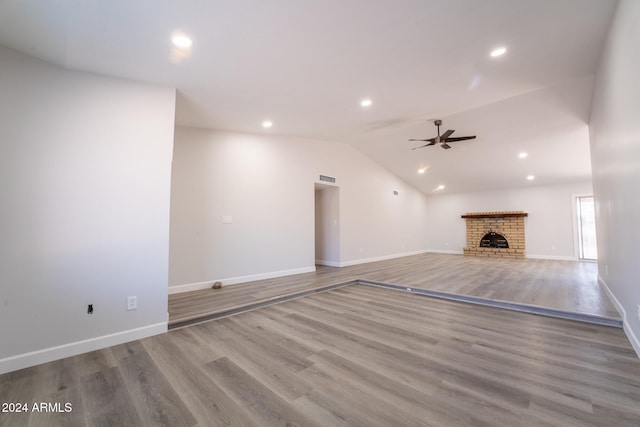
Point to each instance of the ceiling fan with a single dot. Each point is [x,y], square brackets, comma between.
[442,139]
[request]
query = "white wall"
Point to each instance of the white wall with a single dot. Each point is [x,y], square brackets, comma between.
[85,166]
[615,154]
[267,185]
[548,228]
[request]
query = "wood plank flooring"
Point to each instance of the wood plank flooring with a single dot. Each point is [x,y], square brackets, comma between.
[562,285]
[353,356]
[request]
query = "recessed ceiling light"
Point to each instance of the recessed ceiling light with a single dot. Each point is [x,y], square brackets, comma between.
[499,51]
[531,177]
[422,170]
[181,41]
[438,188]
[366,102]
[523,155]
[267,124]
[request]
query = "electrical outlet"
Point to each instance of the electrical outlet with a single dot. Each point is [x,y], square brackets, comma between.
[132,303]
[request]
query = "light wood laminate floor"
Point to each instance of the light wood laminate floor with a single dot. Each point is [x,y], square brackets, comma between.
[562,285]
[354,356]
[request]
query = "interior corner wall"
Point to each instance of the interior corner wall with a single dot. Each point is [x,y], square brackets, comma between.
[615,155]
[242,206]
[548,228]
[85,170]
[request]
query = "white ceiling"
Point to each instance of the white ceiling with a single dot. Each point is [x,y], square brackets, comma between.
[306,65]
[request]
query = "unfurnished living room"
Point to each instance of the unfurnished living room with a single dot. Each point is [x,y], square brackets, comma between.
[319,213]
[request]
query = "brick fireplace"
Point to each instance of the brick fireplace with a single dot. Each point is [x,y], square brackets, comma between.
[495,234]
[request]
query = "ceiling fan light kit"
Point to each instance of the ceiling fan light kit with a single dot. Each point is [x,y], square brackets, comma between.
[442,139]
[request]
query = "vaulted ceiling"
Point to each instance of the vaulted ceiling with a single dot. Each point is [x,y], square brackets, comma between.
[307,65]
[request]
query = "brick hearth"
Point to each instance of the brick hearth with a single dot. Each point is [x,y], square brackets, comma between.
[510,224]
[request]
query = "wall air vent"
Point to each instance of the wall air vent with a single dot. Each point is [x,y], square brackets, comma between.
[327,178]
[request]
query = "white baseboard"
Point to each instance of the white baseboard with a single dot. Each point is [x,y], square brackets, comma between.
[328,263]
[45,355]
[633,339]
[621,311]
[191,287]
[445,251]
[553,257]
[380,258]
[239,279]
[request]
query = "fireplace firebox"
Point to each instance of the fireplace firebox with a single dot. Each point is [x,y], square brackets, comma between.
[493,240]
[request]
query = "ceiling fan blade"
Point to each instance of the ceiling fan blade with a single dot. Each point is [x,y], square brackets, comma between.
[459,138]
[446,135]
[425,145]
[442,139]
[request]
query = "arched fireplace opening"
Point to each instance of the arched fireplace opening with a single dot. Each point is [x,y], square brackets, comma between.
[494,240]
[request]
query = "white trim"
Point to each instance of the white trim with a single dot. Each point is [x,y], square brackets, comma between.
[612,297]
[556,257]
[445,251]
[380,258]
[328,263]
[633,339]
[574,224]
[176,289]
[20,361]
[324,184]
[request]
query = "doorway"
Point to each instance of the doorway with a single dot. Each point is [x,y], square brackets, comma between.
[585,208]
[327,225]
